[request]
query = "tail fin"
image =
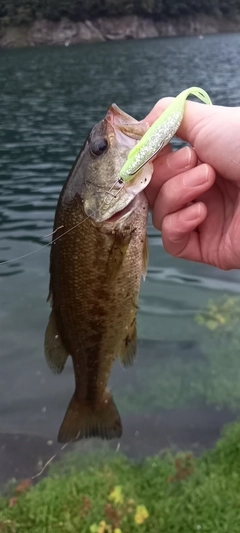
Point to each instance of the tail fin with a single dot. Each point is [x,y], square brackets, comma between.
[84,421]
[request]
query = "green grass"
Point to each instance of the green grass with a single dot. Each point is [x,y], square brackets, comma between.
[167,494]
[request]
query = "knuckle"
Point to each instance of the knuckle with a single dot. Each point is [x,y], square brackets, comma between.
[168,192]
[172,229]
[166,243]
[168,226]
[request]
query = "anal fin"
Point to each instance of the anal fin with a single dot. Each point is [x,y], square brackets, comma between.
[83,420]
[55,353]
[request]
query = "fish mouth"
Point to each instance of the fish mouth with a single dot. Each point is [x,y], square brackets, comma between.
[118,116]
[124,124]
[123,213]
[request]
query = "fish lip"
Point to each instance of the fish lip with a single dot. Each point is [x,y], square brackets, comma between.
[125,212]
[119,121]
[114,112]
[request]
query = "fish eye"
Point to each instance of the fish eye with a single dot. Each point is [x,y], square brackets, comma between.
[99,147]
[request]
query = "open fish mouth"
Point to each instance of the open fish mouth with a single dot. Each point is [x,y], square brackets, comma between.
[123,213]
[125,126]
[118,117]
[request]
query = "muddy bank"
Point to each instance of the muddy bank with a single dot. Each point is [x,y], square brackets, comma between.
[67,32]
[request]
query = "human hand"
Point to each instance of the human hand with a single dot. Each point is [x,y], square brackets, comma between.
[208,230]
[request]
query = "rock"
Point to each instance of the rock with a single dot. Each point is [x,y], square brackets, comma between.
[42,32]
[126,27]
[64,32]
[90,32]
[196,25]
[14,37]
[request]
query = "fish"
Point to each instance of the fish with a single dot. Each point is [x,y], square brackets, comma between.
[96,265]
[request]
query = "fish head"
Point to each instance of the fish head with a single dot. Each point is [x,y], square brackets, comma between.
[103,193]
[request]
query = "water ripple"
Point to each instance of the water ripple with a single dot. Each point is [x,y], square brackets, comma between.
[50,99]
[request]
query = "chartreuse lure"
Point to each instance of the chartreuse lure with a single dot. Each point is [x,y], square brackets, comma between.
[160,133]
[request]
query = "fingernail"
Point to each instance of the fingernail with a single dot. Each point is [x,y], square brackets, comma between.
[196,176]
[180,158]
[192,212]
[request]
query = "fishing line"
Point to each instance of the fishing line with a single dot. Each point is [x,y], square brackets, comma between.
[52,232]
[71,229]
[58,453]
[50,461]
[55,455]
[45,245]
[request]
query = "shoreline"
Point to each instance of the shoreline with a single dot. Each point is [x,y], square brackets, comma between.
[65,32]
[195,428]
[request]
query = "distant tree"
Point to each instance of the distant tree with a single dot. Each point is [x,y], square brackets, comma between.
[23,11]
[145,6]
[229,7]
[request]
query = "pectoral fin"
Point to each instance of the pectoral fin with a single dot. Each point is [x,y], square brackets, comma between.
[50,295]
[55,353]
[116,256]
[129,346]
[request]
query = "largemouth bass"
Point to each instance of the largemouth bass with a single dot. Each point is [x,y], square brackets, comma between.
[96,265]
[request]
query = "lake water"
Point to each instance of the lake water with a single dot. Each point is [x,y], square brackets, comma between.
[50,98]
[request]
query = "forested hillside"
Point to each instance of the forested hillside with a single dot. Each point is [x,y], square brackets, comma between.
[24,11]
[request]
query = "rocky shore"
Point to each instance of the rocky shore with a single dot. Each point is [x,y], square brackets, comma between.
[66,32]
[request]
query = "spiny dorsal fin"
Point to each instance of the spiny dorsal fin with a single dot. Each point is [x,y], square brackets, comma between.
[55,353]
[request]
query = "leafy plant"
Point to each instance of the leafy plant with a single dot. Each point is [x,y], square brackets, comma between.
[162,493]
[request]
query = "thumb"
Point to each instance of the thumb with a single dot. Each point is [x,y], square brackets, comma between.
[211,130]
[195,114]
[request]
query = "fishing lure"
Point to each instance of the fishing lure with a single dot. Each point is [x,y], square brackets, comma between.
[160,133]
